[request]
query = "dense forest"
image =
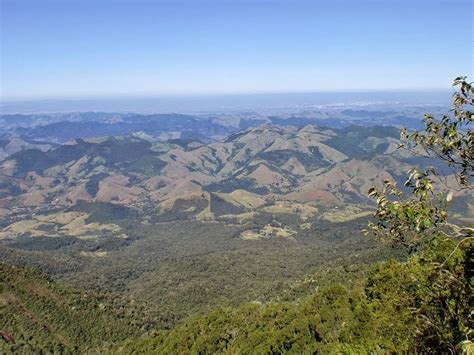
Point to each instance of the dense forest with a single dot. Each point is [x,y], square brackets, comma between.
[399,307]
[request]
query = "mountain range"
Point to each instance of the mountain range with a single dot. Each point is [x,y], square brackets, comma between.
[206,127]
[310,170]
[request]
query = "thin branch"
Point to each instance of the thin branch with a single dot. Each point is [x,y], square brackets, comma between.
[455,249]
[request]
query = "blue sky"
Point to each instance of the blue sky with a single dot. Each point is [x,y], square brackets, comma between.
[105,48]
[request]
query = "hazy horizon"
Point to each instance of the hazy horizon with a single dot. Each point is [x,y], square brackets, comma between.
[227,102]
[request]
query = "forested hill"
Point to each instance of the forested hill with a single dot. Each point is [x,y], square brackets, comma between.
[372,313]
[39,316]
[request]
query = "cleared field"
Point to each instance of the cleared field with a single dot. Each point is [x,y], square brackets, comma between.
[275,230]
[62,224]
[345,214]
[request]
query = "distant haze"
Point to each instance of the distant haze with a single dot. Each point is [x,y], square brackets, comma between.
[231,103]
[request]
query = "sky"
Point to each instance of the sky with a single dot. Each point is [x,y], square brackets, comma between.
[52,49]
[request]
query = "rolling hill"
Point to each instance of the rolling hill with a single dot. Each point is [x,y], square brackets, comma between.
[187,179]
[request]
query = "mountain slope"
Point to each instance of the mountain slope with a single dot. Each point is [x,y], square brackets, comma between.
[311,165]
[38,315]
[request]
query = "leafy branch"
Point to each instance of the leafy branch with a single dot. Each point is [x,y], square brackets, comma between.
[406,220]
[451,138]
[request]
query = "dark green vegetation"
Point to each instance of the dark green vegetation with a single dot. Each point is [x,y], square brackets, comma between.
[374,314]
[190,268]
[345,307]
[133,155]
[171,272]
[38,315]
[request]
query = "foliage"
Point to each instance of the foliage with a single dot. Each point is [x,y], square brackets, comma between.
[443,314]
[374,315]
[186,268]
[451,138]
[375,312]
[36,315]
[404,220]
